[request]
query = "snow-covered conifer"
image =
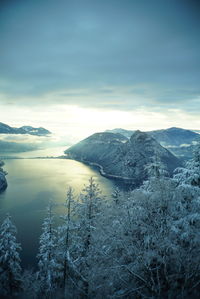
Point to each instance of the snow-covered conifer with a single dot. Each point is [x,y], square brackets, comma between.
[190,174]
[47,263]
[66,245]
[10,268]
[89,210]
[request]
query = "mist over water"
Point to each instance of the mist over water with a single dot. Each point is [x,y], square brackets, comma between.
[31,184]
[50,152]
[30,146]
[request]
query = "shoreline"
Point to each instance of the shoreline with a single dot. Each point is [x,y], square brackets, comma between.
[126,180]
[3,183]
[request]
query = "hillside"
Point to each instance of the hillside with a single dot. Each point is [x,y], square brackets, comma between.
[174,136]
[126,133]
[180,142]
[121,157]
[167,137]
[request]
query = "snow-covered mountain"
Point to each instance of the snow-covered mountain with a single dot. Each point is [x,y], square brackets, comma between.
[123,158]
[174,136]
[166,137]
[35,131]
[97,147]
[126,133]
[180,142]
[5,129]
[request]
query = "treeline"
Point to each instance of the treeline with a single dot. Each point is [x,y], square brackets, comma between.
[141,244]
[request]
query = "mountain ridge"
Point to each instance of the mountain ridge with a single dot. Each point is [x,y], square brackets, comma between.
[178,141]
[120,157]
[6,129]
[168,136]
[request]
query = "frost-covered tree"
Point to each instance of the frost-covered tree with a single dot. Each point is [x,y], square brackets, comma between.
[65,238]
[140,244]
[47,263]
[190,174]
[156,172]
[91,201]
[10,268]
[31,285]
[68,273]
[89,211]
[154,242]
[79,241]
[116,194]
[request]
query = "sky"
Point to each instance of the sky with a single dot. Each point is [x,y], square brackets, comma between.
[83,66]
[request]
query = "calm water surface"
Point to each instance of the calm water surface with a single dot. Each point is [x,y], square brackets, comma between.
[31,184]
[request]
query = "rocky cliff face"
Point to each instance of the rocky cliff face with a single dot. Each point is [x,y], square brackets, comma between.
[123,157]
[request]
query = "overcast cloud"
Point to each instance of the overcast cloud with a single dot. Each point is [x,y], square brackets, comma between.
[108,54]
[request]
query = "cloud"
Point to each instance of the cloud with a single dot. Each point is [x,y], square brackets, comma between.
[52,47]
[79,66]
[24,138]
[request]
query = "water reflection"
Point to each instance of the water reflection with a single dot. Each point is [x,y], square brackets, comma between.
[31,184]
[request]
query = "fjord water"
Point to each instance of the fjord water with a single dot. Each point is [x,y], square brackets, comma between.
[31,184]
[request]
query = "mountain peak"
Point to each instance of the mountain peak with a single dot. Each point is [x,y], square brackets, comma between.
[140,136]
[120,158]
[5,129]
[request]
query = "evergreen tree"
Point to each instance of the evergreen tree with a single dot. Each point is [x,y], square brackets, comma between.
[191,173]
[10,269]
[116,195]
[155,242]
[65,252]
[89,210]
[47,260]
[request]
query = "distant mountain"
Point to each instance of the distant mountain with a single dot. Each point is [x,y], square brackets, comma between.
[122,158]
[167,137]
[5,129]
[174,136]
[179,141]
[35,131]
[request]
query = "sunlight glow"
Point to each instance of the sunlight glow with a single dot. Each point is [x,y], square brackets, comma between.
[74,122]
